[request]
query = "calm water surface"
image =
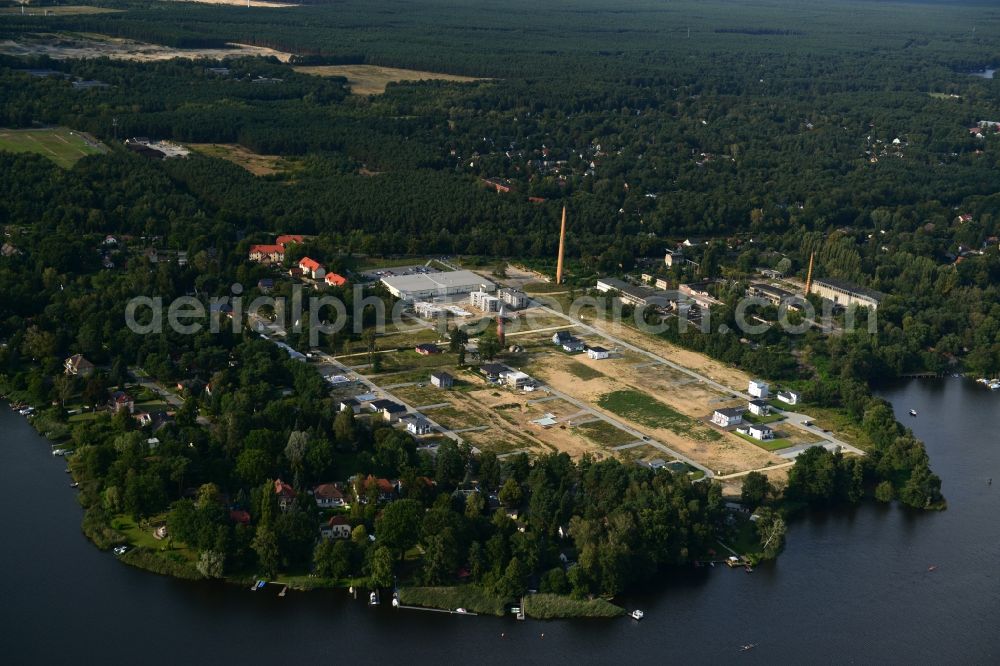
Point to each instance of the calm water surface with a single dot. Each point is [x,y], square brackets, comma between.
[851,587]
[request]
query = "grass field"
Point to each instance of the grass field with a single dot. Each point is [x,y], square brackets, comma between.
[258,165]
[650,412]
[605,434]
[768,445]
[63,146]
[372,79]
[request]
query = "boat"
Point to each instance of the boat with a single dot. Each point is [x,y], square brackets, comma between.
[913,412]
[120,550]
[747,647]
[373,599]
[261,584]
[748,569]
[461,611]
[75,484]
[283,592]
[637,614]
[932,567]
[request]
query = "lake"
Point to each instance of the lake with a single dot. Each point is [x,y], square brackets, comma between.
[851,586]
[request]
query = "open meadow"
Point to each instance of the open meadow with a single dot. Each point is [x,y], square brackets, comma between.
[61,145]
[372,79]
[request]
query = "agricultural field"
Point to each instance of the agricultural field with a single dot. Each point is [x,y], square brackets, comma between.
[63,146]
[372,79]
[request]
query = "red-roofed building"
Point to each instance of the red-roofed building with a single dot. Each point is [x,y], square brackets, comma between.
[329,495]
[286,239]
[312,268]
[335,280]
[338,527]
[285,493]
[267,253]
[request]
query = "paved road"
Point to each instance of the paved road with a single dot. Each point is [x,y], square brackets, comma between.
[325,359]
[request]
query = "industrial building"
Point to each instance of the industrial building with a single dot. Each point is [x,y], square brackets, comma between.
[423,286]
[844,293]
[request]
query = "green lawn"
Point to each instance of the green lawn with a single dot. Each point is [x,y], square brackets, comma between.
[605,434]
[769,445]
[553,606]
[646,410]
[63,146]
[770,418]
[470,597]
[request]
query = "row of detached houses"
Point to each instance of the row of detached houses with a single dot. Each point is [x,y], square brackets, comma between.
[758,406]
[390,410]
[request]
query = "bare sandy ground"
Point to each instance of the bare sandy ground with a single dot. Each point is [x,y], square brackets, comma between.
[63,47]
[726,455]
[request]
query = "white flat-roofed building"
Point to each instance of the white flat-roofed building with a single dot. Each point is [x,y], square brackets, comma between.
[423,286]
[758,389]
[485,301]
[514,298]
[516,379]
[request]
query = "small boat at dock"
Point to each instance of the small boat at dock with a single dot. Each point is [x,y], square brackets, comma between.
[637,615]
[283,592]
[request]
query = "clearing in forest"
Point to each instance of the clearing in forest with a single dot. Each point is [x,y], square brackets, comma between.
[372,79]
[63,146]
[258,165]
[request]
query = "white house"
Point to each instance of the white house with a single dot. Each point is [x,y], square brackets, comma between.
[337,527]
[442,380]
[329,496]
[759,408]
[573,345]
[516,379]
[758,389]
[597,353]
[418,426]
[760,432]
[789,397]
[727,417]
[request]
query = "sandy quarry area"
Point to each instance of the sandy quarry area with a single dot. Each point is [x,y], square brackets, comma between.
[63,47]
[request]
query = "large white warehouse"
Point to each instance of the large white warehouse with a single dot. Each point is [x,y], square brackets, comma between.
[424,286]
